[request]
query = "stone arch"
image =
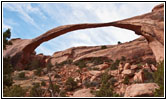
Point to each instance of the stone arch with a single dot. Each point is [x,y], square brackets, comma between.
[150,25]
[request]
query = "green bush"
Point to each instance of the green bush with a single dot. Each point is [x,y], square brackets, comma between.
[159,79]
[62,93]
[33,64]
[7,72]
[119,42]
[49,66]
[81,64]
[123,58]
[36,91]
[148,76]
[6,36]
[22,75]
[56,88]
[126,80]
[38,72]
[103,47]
[14,91]
[43,83]
[70,84]
[115,65]
[105,77]
[57,76]
[106,90]
[69,61]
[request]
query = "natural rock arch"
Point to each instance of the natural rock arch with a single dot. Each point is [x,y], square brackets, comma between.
[150,25]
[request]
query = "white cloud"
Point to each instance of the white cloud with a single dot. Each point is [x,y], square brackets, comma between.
[24,11]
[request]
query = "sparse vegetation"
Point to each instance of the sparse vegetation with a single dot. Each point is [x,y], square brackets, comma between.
[103,47]
[22,75]
[119,42]
[69,61]
[57,76]
[7,71]
[123,58]
[43,83]
[148,76]
[56,88]
[115,65]
[36,91]
[33,64]
[49,66]
[62,93]
[81,64]
[126,80]
[70,84]
[6,36]
[38,71]
[159,79]
[14,91]
[106,90]
[7,67]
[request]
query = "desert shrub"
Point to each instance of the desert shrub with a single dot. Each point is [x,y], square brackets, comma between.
[112,80]
[148,76]
[62,93]
[49,66]
[95,68]
[6,36]
[70,84]
[33,64]
[115,65]
[7,71]
[43,83]
[22,75]
[106,90]
[38,71]
[69,61]
[56,88]
[126,80]
[103,47]
[57,76]
[159,79]
[7,80]
[14,91]
[81,64]
[119,42]
[36,91]
[123,58]
[105,77]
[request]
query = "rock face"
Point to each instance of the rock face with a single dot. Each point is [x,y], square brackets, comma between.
[141,90]
[150,25]
[131,50]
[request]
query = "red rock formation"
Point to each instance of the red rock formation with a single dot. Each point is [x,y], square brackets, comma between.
[150,25]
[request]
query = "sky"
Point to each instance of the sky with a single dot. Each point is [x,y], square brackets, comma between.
[29,20]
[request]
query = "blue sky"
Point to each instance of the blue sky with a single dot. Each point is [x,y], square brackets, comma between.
[28,20]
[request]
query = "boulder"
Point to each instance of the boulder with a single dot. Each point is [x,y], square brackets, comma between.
[83,93]
[127,66]
[132,67]
[153,68]
[102,66]
[141,90]
[95,73]
[128,72]
[139,77]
